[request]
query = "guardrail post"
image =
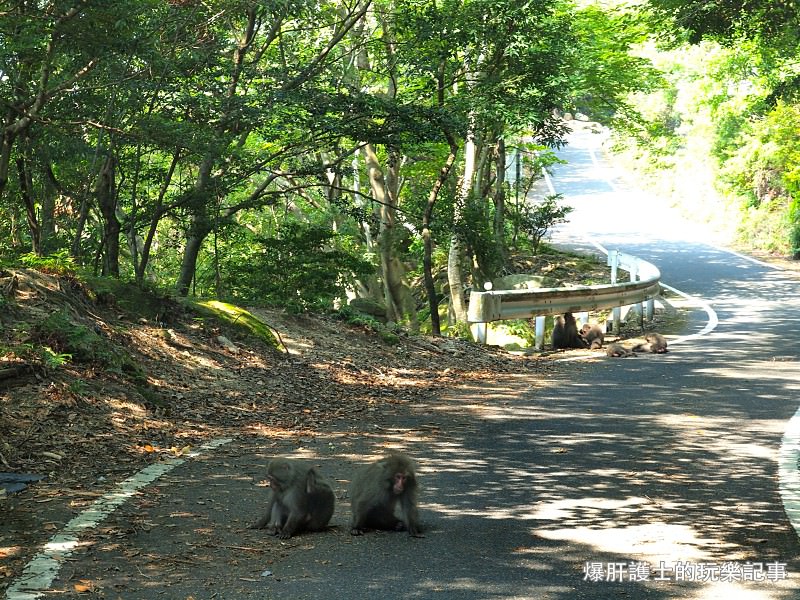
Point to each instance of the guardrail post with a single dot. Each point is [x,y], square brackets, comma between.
[481,332]
[613,262]
[637,308]
[539,344]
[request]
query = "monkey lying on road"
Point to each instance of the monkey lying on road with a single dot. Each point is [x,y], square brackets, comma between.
[618,350]
[654,342]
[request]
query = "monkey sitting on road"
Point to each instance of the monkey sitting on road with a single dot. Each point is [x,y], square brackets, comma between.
[618,350]
[378,490]
[653,342]
[593,335]
[565,333]
[300,499]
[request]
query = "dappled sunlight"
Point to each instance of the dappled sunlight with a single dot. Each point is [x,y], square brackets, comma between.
[764,370]
[653,542]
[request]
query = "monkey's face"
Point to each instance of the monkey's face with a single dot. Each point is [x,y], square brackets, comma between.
[278,476]
[399,483]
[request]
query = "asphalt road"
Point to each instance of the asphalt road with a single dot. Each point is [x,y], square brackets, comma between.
[651,477]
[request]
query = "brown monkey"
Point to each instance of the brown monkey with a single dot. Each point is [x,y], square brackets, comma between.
[565,333]
[300,499]
[593,334]
[653,342]
[619,350]
[378,489]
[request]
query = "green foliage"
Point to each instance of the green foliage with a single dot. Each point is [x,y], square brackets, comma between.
[537,220]
[64,340]
[523,329]
[606,70]
[794,228]
[303,266]
[478,233]
[58,263]
[357,319]
[458,330]
[36,355]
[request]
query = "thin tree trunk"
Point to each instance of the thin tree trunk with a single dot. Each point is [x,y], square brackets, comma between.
[455,270]
[158,212]
[500,200]
[194,241]
[427,239]
[107,202]
[199,227]
[26,189]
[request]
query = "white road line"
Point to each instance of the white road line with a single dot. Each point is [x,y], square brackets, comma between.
[788,474]
[760,263]
[42,570]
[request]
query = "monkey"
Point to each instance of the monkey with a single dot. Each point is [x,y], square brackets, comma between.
[376,491]
[565,333]
[618,350]
[593,334]
[300,499]
[654,342]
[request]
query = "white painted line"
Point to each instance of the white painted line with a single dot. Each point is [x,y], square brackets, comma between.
[596,164]
[40,572]
[549,181]
[760,263]
[713,320]
[788,474]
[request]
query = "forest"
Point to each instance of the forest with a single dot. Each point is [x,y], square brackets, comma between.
[304,154]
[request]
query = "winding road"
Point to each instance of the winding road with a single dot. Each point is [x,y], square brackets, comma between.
[654,477]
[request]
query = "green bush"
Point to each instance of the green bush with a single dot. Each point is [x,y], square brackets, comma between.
[69,340]
[536,221]
[305,266]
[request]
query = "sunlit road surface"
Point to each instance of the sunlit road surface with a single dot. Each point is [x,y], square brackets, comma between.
[654,477]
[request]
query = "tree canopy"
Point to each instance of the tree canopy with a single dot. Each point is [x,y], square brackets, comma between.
[366,147]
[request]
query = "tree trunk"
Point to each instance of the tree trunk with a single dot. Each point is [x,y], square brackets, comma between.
[6,144]
[199,226]
[382,195]
[106,191]
[500,200]
[427,240]
[158,212]
[26,189]
[455,258]
[198,231]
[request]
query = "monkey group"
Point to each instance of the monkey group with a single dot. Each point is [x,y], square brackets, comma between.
[566,335]
[383,495]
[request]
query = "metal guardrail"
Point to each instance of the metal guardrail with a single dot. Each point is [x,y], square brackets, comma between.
[486,307]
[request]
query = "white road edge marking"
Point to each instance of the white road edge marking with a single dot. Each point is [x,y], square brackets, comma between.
[788,474]
[42,570]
